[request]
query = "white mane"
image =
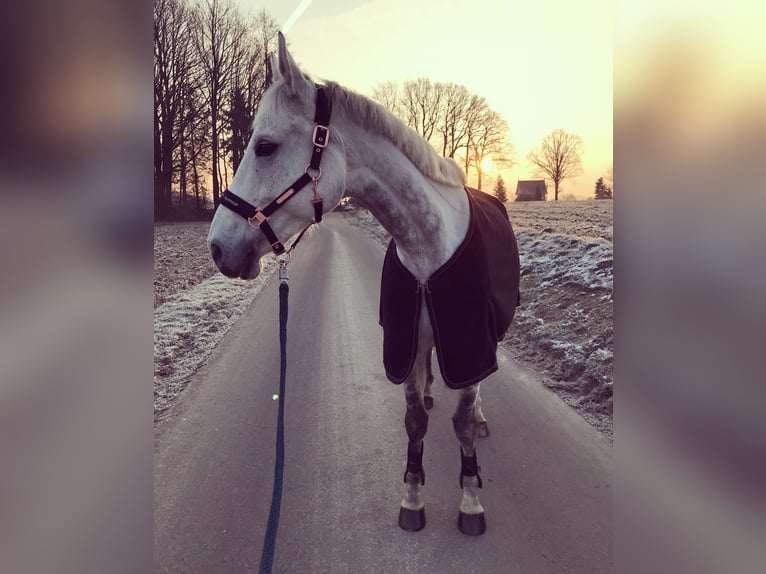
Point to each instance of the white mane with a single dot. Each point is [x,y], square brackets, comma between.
[378,119]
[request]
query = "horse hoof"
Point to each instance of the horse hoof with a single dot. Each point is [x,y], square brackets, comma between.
[412,520]
[429,401]
[483,429]
[472,524]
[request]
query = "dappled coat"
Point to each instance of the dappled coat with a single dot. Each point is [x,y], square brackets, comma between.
[471,300]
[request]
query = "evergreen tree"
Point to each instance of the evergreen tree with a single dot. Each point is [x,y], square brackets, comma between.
[603,191]
[500,189]
[239,119]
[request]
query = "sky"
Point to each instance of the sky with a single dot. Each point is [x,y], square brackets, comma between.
[543,65]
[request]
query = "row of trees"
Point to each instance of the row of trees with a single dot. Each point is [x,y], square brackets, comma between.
[455,121]
[464,127]
[209,76]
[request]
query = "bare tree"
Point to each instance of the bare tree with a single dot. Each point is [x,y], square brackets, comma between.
[198,145]
[453,118]
[421,100]
[558,157]
[463,120]
[490,140]
[476,110]
[248,85]
[174,64]
[259,77]
[389,95]
[193,135]
[219,36]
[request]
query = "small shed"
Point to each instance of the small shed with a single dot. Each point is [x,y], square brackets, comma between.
[531,190]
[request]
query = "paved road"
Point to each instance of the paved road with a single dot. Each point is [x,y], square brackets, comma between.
[547,474]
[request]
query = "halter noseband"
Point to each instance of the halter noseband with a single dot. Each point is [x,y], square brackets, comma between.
[259,218]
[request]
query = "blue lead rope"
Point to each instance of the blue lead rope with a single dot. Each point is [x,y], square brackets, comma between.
[270,538]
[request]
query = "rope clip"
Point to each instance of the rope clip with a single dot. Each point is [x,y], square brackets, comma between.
[283,274]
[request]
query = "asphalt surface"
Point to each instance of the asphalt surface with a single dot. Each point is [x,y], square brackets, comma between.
[547,474]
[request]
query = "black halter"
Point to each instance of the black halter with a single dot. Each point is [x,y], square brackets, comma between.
[259,218]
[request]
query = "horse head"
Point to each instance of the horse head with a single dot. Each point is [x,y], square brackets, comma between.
[278,156]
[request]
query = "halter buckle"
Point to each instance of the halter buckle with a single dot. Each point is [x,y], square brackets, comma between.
[259,216]
[321,135]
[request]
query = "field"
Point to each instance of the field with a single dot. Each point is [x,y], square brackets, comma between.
[562,331]
[181,258]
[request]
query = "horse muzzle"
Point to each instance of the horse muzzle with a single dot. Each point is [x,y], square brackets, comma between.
[245,265]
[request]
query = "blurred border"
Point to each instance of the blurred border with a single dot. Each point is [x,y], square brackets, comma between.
[76,290]
[690,138]
[75,296]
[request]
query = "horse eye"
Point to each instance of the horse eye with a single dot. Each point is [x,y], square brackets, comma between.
[265,148]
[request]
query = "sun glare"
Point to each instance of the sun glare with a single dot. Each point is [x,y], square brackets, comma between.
[486,164]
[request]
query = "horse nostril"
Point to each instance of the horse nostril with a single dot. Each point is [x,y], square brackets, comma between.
[216,252]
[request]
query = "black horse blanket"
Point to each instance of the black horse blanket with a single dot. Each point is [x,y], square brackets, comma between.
[471,300]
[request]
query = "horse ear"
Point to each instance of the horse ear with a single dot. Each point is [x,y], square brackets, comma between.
[273,68]
[293,78]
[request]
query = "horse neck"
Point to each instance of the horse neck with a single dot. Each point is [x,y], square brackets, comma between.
[427,220]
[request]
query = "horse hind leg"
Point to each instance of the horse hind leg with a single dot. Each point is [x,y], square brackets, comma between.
[412,516]
[428,398]
[471,519]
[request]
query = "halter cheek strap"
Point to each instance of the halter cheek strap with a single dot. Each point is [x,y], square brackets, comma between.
[259,217]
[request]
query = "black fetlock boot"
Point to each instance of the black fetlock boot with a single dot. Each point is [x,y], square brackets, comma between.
[413,520]
[470,524]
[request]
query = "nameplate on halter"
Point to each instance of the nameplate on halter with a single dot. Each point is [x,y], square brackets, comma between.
[285,196]
[321,135]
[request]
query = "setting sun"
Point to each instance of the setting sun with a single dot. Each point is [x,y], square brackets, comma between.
[486,164]
[563,55]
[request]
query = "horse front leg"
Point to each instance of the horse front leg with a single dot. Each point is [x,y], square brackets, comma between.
[412,514]
[471,517]
[482,420]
